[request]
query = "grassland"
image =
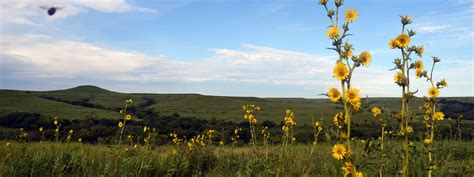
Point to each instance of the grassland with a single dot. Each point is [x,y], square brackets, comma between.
[50,159]
[186,105]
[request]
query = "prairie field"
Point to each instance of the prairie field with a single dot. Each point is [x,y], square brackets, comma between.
[454,158]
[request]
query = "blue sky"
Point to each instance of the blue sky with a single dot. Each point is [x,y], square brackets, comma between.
[223,47]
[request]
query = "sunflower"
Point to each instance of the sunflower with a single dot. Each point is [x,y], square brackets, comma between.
[439,116]
[352,96]
[433,92]
[365,57]
[333,32]
[347,168]
[323,2]
[337,119]
[334,94]
[403,40]
[128,117]
[419,64]
[339,151]
[120,124]
[350,15]
[340,71]
[393,43]
[419,73]
[376,111]
[398,78]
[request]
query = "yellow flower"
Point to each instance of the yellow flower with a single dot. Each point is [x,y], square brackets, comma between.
[120,124]
[333,32]
[71,131]
[420,50]
[145,129]
[221,143]
[398,78]
[376,111]
[403,40]
[348,54]
[79,140]
[393,43]
[352,96]
[427,141]
[365,57]
[337,119]
[339,151]
[419,73]
[55,122]
[128,117]
[433,92]
[334,95]
[254,121]
[317,124]
[41,129]
[350,15]
[347,168]
[419,64]
[340,71]
[443,83]
[173,152]
[439,116]
[358,174]
[323,2]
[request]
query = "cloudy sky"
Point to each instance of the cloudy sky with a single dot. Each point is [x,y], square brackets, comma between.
[264,48]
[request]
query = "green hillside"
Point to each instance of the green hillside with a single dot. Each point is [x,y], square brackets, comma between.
[90,101]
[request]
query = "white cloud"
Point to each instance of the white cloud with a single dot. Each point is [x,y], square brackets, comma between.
[430,28]
[34,56]
[28,12]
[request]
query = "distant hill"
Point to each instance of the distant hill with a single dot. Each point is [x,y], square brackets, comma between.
[91,101]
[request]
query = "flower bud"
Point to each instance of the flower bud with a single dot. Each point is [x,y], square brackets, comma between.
[345,27]
[436,59]
[405,19]
[338,3]
[331,13]
[411,33]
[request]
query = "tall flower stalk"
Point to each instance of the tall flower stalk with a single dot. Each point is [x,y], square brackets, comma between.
[126,117]
[249,111]
[431,115]
[402,78]
[345,65]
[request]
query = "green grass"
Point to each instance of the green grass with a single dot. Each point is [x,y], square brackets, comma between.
[189,105]
[51,159]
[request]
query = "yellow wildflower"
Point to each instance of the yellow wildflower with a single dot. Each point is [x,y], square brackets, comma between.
[128,117]
[419,73]
[358,174]
[419,64]
[352,96]
[439,116]
[427,141]
[350,15]
[41,129]
[393,43]
[339,151]
[334,94]
[347,168]
[120,124]
[365,57]
[403,40]
[333,32]
[340,71]
[433,92]
[376,111]
[443,83]
[398,78]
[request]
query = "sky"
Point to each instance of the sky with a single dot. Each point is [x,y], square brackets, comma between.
[262,48]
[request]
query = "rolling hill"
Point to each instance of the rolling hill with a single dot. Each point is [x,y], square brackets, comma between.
[91,101]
